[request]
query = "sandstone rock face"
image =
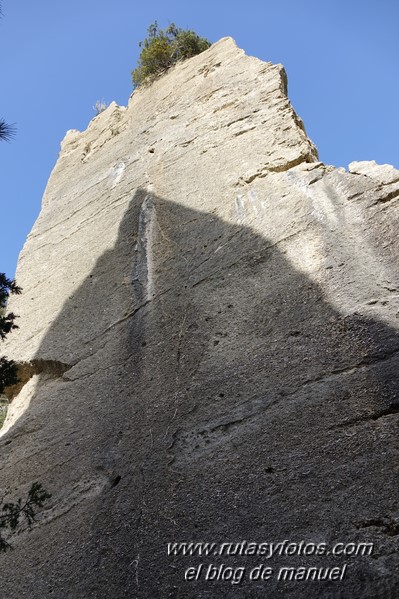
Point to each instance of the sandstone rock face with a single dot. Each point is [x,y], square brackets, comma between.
[209,336]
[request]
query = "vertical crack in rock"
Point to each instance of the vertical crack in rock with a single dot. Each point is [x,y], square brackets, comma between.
[143,272]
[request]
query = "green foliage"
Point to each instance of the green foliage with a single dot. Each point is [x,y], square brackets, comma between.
[8,373]
[164,48]
[11,513]
[7,286]
[7,132]
[8,369]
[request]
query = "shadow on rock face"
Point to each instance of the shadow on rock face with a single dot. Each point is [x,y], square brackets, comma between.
[213,395]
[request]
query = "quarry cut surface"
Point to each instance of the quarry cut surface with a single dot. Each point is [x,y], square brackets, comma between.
[209,344]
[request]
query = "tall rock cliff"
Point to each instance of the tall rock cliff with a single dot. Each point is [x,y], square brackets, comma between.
[208,347]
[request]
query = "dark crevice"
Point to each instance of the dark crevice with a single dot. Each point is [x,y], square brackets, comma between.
[116,481]
[390,196]
[25,370]
[244,131]
[390,411]
[388,526]
[366,361]
[280,168]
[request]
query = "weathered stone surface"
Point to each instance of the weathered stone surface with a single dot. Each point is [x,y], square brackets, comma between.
[384,173]
[210,319]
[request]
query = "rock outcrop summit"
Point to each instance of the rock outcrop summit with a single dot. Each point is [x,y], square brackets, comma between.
[208,349]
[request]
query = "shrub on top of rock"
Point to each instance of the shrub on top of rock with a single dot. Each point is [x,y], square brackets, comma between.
[164,48]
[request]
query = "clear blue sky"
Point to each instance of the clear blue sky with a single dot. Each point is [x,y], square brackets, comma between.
[59,57]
